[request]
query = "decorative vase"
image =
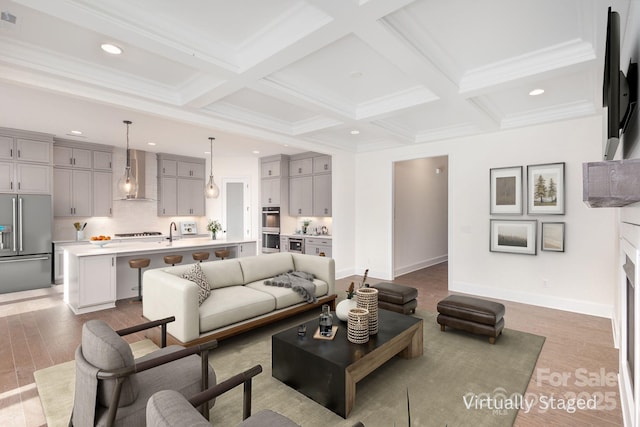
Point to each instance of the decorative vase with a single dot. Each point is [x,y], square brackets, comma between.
[367,298]
[213,235]
[343,307]
[358,326]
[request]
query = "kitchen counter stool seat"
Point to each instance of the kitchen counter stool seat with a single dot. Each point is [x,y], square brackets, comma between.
[222,253]
[139,263]
[200,256]
[173,259]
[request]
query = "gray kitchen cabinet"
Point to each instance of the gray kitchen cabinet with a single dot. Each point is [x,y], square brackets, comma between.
[190,170]
[82,178]
[72,190]
[181,182]
[318,246]
[300,167]
[322,164]
[102,193]
[168,197]
[168,167]
[271,192]
[102,160]
[32,178]
[301,196]
[246,249]
[26,178]
[72,157]
[6,147]
[6,177]
[271,169]
[26,165]
[322,195]
[190,197]
[284,243]
[310,185]
[28,150]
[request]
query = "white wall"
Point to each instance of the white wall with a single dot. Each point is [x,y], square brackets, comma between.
[580,279]
[420,227]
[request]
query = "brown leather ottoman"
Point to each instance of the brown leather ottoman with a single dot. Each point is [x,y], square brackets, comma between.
[473,315]
[395,297]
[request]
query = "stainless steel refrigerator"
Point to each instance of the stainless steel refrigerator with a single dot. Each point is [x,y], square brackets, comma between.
[25,242]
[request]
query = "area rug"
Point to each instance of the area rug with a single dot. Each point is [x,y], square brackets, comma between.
[454,383]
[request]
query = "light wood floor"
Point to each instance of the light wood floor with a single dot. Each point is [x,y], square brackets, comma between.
[37,330]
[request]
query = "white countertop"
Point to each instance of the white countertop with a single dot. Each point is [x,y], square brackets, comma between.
[121,248]
[319,236]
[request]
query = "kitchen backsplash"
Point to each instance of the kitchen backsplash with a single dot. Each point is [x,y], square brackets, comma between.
[128,216]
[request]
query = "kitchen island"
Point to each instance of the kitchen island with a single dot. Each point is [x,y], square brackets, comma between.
[96,277]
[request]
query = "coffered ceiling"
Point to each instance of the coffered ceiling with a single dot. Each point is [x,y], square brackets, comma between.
[258,74]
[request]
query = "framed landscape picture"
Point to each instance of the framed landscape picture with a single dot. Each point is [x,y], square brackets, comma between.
[513,236]
[552,237]
[545,189]
[506,191]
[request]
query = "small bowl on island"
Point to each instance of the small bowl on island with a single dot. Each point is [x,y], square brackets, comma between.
[99,240]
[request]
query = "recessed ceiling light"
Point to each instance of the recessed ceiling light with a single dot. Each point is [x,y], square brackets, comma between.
[151,143]
[207,152]
[76,132]
[111,48]
[255,152]
[355,132]
[536,92]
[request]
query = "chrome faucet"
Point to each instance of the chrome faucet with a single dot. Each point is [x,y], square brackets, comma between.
[172,226]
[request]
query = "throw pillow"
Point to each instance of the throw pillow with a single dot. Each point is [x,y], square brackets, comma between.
[196,275]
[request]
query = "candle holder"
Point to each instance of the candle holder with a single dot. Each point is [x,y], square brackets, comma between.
[358,326]
[367,298]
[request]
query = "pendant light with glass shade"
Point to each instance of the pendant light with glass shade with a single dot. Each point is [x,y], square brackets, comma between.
[211,191]
[127,184]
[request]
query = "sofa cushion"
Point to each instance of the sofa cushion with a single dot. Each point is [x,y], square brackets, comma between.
[286,297]
[266,266]
[223,273]
[233,304]
[197,276]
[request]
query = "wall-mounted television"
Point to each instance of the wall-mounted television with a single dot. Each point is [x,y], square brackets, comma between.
[619,92]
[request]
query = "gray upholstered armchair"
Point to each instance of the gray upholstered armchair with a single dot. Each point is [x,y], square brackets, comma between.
[113,389]
[168,408]
[171,409]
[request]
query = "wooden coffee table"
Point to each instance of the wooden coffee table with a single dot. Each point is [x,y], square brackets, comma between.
[327,371]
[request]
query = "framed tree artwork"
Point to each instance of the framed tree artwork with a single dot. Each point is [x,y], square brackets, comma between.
[506,191]
[545,189]
[552,238]
[513,236]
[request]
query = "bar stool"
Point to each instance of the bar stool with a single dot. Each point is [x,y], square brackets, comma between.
[173,259]
[200,256]
[222,253]
[139,263]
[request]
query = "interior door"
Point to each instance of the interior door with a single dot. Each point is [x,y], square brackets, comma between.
[236,208]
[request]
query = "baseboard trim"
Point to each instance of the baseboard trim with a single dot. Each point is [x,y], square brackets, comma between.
[574,306]
[420,265]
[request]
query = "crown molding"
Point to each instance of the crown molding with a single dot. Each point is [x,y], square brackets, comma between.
[393,102]
[562,112]
[552,58]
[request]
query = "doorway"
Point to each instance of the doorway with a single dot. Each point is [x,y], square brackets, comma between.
[420,213]
[236,208]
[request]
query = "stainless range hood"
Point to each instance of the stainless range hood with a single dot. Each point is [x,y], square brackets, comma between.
[137,160]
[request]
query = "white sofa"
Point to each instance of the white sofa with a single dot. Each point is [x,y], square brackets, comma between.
[239,299]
